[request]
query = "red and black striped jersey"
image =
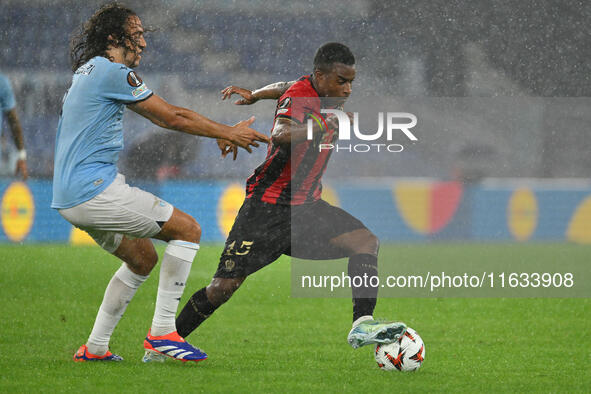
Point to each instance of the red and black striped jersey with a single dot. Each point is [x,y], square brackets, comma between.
[291,175]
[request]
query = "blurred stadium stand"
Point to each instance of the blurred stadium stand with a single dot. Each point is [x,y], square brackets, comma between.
[527,50]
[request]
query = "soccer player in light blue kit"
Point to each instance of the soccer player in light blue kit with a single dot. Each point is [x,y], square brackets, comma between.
[8,108]
[90,194]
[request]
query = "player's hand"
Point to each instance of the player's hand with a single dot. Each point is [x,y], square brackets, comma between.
[332,121]
[21,168]
[245,137]
[227,147]
[247,97]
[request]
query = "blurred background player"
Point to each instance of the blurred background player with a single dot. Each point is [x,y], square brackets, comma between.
[90,194]
[8,109]
[283,212]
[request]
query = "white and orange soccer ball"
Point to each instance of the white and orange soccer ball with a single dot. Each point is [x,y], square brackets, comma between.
[405,354]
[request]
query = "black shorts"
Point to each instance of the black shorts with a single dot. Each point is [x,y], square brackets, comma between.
[262,232]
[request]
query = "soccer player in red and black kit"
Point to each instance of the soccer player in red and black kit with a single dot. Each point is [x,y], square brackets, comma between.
[283,212]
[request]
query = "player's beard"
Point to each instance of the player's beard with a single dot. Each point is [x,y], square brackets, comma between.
[132,54]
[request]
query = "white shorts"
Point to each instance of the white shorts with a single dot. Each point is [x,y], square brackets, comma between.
[119,210]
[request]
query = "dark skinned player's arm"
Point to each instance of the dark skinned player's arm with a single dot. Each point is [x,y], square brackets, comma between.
[181,119]
[269,92]
[287,132]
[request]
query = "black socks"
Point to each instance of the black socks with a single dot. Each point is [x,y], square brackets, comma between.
[364,267]
[195,312]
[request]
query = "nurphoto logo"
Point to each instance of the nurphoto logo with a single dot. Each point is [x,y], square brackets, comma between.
[395,122]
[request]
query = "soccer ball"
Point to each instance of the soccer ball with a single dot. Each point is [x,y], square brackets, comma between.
[405,354]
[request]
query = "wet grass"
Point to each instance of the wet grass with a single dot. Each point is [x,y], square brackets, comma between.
[265,341]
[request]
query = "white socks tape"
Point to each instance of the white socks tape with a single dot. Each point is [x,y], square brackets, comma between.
[182,250]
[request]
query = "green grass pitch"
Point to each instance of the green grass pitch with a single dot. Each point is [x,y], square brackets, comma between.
[265,341]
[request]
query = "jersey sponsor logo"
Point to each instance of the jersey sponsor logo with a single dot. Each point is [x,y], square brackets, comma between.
[139,91]
[133,79]
[85,69]
[18,211]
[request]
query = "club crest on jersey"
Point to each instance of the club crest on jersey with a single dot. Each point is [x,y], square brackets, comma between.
[133,79]
[229,265]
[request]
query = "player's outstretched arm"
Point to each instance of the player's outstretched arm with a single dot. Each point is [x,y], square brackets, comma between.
[272,91]
[17,134]
[163,114]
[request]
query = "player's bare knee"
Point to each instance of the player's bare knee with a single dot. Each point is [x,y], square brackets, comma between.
[374,241]
[139,255]
[180,226]
[367,243]
[192,231]
[195,232]
[149,259]
[143,262]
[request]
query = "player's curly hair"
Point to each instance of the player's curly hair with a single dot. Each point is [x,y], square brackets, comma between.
[330,53]
[93,36]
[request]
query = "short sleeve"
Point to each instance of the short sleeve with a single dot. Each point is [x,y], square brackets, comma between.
[7,100]
[296,108]
[125,85]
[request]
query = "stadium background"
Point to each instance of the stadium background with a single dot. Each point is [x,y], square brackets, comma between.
[488,176]
[500,173]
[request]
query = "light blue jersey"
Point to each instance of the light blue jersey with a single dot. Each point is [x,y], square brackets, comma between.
[90,130]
